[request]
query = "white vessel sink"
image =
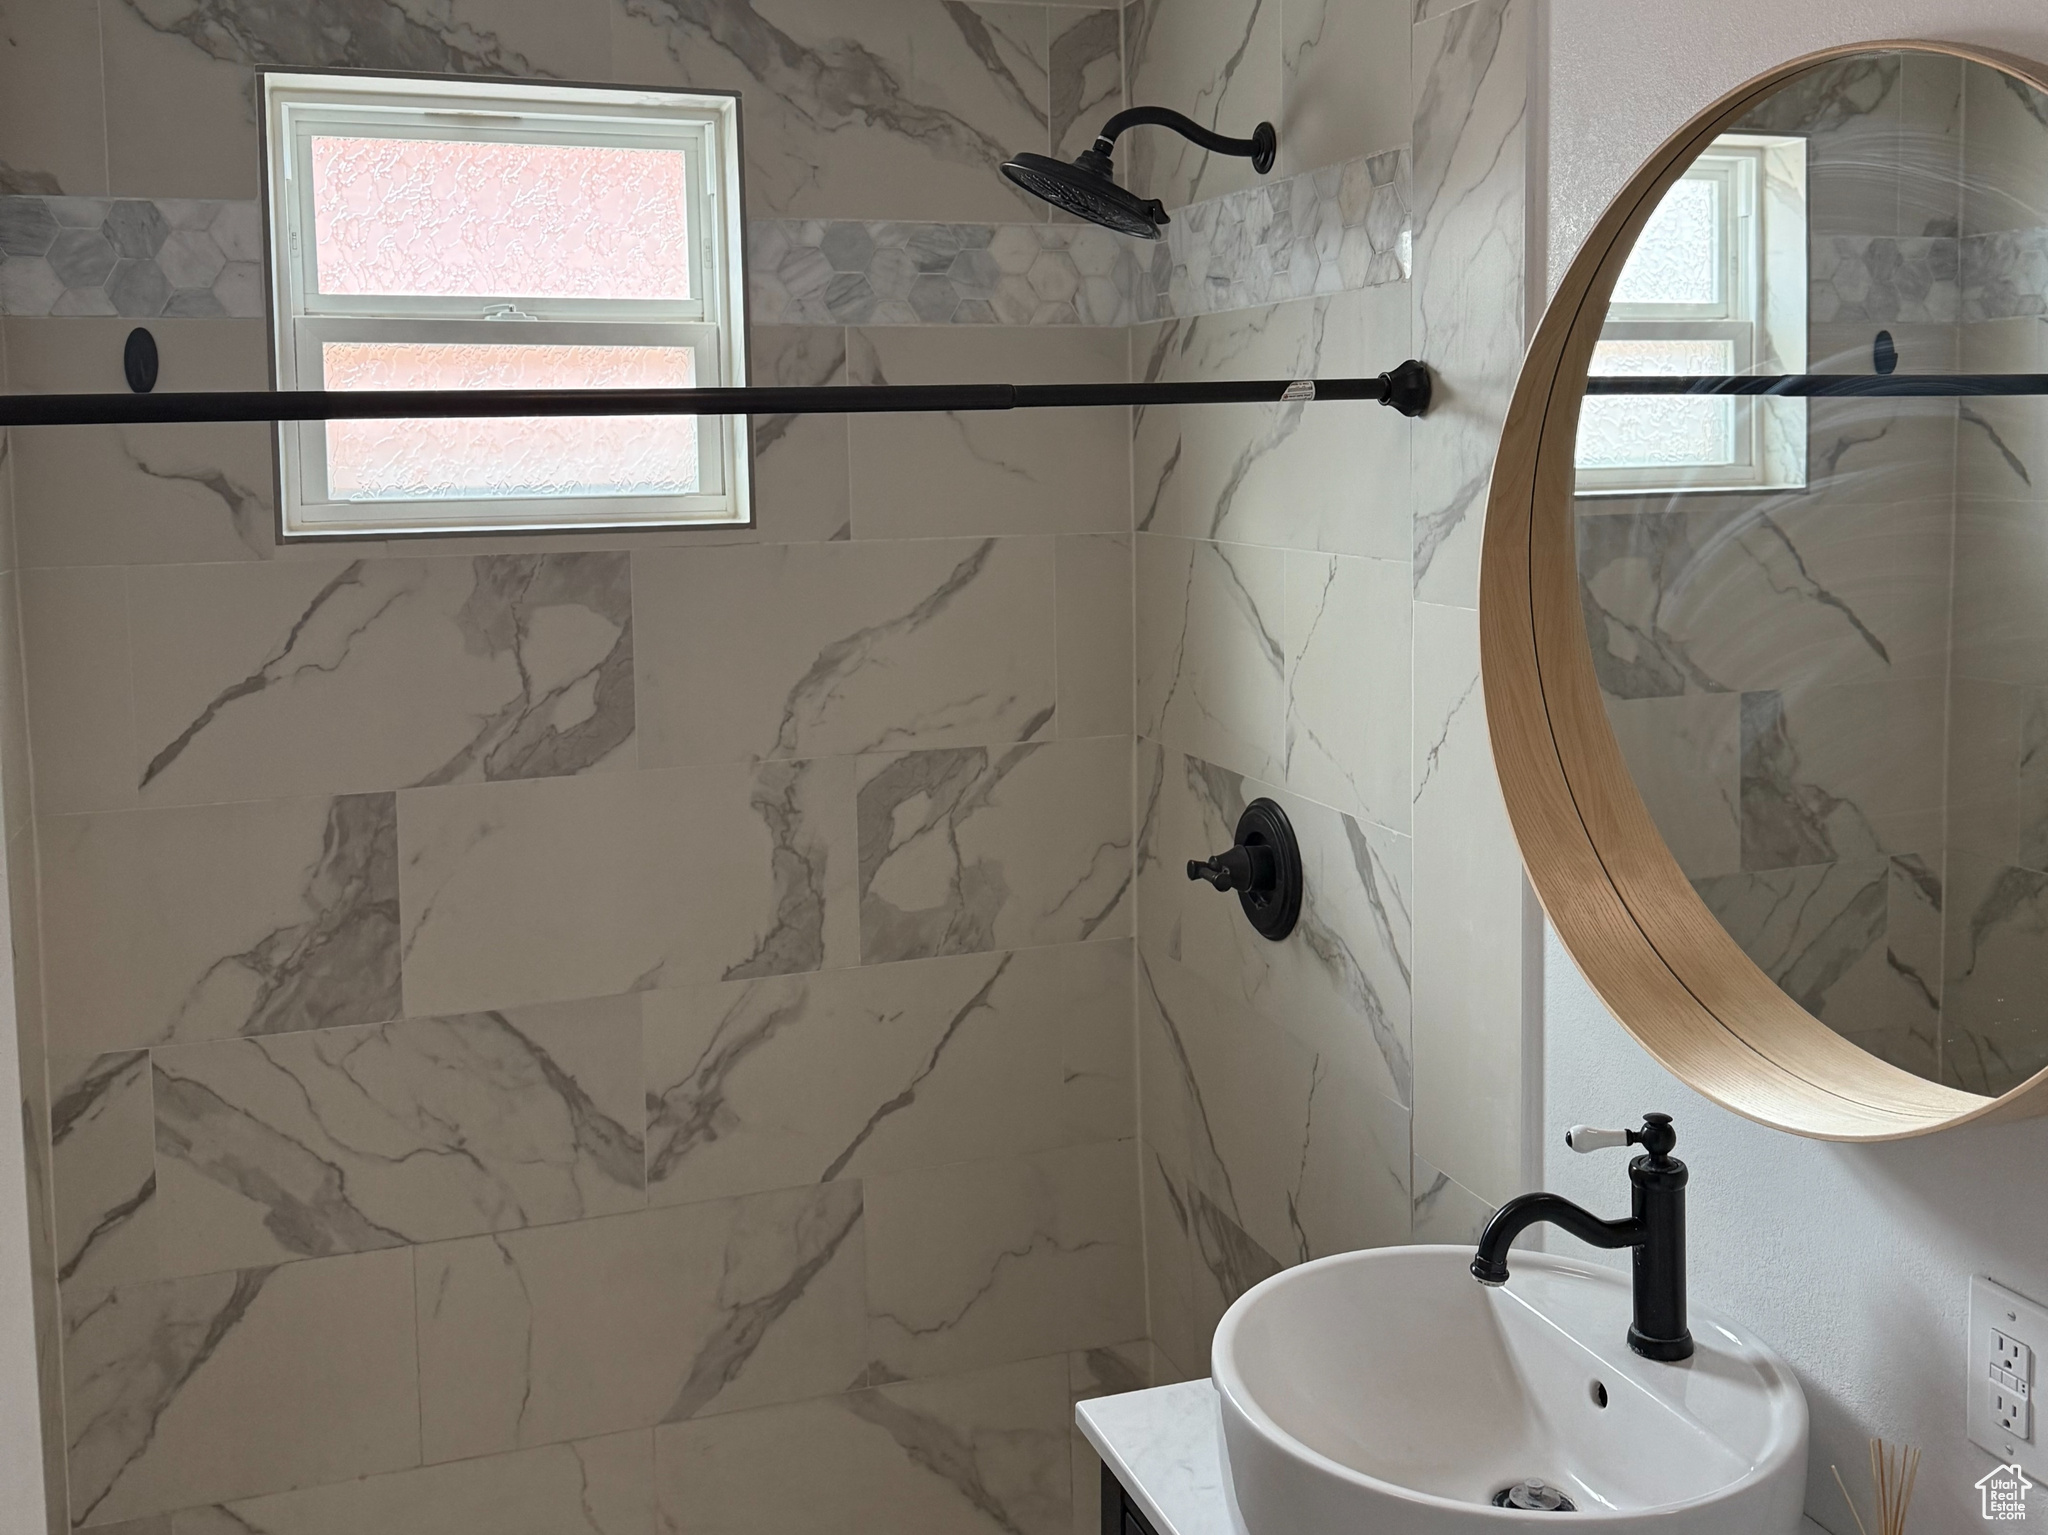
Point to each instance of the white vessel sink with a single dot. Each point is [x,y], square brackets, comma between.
[1388,1391]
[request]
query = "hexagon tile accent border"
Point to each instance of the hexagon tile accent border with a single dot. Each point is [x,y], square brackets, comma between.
[130,256]
[1342,227]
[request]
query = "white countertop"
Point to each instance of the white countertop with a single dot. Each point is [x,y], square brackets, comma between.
[1166,1446]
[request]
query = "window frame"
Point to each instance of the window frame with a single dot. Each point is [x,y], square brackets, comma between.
[298,104]
[1768,434]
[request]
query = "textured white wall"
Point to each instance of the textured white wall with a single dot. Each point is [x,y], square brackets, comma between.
[1854,1262]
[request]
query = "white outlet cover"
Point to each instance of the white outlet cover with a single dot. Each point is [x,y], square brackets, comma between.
[1993,1310]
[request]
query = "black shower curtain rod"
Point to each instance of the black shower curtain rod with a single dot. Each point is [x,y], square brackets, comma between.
[1406,388]
[1803,386]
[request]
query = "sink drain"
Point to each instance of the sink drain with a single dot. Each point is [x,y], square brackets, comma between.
[1536,1496]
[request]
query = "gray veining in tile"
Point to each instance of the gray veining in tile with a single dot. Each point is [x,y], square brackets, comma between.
[233,919]
[344,1140]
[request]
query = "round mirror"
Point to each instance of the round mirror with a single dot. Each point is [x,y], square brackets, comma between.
[1766,596]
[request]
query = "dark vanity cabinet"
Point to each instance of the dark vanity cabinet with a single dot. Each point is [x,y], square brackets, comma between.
[1120,1512]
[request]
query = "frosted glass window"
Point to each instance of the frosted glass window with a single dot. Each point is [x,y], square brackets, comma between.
[483,234]
[1653,431]
[427,216]
[456,458]
[1678,258]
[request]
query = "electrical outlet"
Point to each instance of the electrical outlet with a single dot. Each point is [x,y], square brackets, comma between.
[2012,1413]
[2006,1331]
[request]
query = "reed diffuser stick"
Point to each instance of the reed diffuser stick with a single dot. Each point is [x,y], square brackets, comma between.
[1853,1514]
[1893,1471]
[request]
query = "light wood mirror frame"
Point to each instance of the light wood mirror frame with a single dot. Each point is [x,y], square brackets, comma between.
[1646,943]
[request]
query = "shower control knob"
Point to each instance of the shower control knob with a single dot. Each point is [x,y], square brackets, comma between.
[1242,868]
[1264,869]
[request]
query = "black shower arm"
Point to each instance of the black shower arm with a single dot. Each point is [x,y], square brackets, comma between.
[1179,122]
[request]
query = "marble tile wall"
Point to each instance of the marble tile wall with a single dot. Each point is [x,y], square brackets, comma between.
[428,931]
[36,1247]
[1992,931]
[1314,1095]
[545,1027]
[769,931]
[1323,231]
[1778,667]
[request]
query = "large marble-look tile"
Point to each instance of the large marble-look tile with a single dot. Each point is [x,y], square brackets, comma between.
[1288,1143]
[565,1332]
[17,782]
[1474,921]
[1095,596]
[1330,476]
[1896,1013]
[1087,76]
[1849,112]
[1983,765]
[592,1487]
[103,1170]
[346,1140]
[1865,452]
[254,681]
[1219,62]
[194,69]
[2001,559]
[1469,73]
[107,495]
[1445,1210]
[1170,1308]
[769,1084]
[859,108]
[984,1453]
[2002,444]
[2005,129]
[52,109]
[1819,931]
[801,488]
[1841,772]
[1996,935]
[1931,144]
[1741,594]
[553,889]
[1684,754]
[944,474]
[191,1391]
[982,848]
[1211,651]
[1340,984]
[1343,82]
[2030,789]
[74,628]
[1348,684]
[183,924]
[1099,1372]
[982,1263]
[803,649]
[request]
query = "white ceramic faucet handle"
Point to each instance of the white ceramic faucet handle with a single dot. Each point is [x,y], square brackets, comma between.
[1587,1138]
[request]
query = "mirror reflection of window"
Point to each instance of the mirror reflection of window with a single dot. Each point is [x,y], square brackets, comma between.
[1716,285]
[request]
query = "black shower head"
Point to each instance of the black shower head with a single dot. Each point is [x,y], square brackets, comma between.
[1087,189]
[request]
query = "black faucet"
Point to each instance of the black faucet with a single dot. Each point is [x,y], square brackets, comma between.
[1655,1228]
